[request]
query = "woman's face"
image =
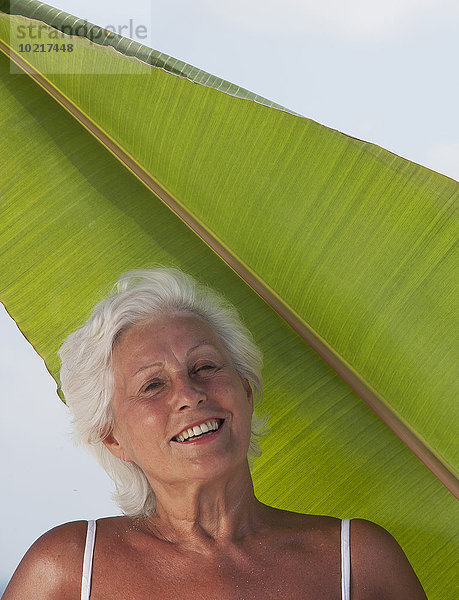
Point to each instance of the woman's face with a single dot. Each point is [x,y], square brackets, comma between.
[171,374]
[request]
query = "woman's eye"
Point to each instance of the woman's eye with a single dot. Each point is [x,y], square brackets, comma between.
[152,386]
[203,369]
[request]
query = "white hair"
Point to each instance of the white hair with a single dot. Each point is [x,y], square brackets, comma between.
[86,372]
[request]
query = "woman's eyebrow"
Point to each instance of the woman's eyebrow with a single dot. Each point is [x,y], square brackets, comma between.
[156,364]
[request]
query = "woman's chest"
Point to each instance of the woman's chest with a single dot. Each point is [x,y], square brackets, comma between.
[289,576]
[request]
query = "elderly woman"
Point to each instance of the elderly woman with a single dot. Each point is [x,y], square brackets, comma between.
[161,382]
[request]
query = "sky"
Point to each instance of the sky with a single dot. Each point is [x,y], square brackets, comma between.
[384,72]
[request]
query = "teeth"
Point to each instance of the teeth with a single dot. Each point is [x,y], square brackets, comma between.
[211,425]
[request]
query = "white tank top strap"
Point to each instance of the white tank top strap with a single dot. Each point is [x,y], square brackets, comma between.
[87,561]
[345,560]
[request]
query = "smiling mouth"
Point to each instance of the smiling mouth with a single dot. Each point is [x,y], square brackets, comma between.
[199,431]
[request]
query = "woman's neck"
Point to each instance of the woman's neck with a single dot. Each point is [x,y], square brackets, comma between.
[208,514]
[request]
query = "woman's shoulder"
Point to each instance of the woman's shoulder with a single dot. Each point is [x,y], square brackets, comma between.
[51,568]
[61,544]
[379,567]
[364,534]
[377,557]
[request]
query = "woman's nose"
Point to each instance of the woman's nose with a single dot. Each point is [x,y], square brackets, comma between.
[187,393]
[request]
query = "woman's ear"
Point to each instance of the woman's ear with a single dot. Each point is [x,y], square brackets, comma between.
[248,390]
[111,442]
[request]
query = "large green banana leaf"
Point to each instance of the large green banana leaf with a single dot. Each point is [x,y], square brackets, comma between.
[350,247]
